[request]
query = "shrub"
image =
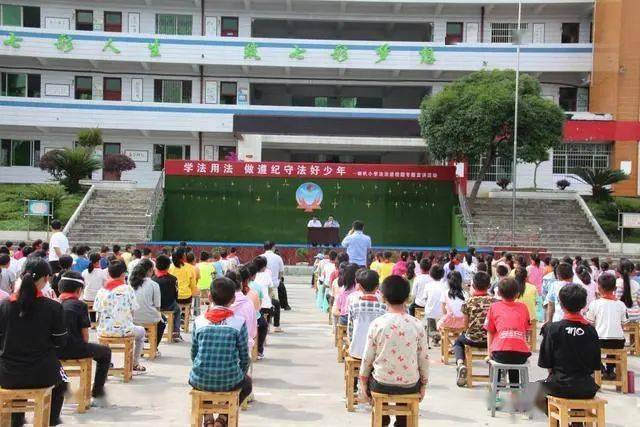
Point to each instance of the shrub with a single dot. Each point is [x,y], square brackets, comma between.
[562,184]
[599,180]
[89,138]
[118,163]
[302,254]
[53,192]
[503,183]
[69,166]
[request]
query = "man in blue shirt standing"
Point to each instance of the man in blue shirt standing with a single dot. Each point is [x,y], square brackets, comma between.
[357,244]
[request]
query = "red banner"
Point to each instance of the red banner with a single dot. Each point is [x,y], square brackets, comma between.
[309,170]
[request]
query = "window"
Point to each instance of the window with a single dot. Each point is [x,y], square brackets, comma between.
[20,16]
[228,92]
[112,89]
[227,153]
[454,33]
[113,22]
[570,32]
[14,152]
[21,84]
[428,36]
[500,168]
[181,25]
[84,20]
[229,26]
[169,152]
[569,156]
[178,91]
[568,98]
[84,87]
[502,32]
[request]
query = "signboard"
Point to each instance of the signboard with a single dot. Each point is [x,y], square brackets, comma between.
[38,208]
[211,92]
[134,22]
[136,90]
[313,170]
[140,156]
[54,89]
[630,220]
[211,26]
[56,23]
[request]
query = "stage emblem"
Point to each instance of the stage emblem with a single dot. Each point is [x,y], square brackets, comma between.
[309,196]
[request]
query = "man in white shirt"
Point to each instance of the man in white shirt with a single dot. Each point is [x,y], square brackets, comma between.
[331,223]
[276,266]
[58,245]
[314,222]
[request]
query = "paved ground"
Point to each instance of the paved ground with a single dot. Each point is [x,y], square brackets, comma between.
[299,383]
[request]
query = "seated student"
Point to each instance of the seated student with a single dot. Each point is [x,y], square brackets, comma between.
[527,292]
[242,306]
[628,290]
[363,311]
[608,314]
[419,283]
[136,256]
[386,267]
[81,262]
[115,305]
[564,273]
[475,310]
[452,301]
[502,271]
[570,351]
[168,285]
[432,294]
[148,297]
[76,316]
[347,283]
[65,262]
[94,277]
[507,324]
[219,350]
[395,359]
[7,277]
[207,272]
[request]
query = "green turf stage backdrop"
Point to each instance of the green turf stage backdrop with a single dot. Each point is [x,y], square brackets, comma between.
[250,210]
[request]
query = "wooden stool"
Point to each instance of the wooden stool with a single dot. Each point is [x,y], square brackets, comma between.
[254,351]
[80,368]
[168,331]
[619,359]
[121,345]
[633,330]
[532,335]
[95,315]
[36,400]
[472,354]
[419,313]
[341,332]
[563,412]
[150,349]
[351,372]
[449,336]
[393,405]
[185,310]
[209,403]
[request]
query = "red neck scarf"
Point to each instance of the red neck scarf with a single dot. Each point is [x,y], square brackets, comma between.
[480,293]
[14,297]
[67,295]
[113,283]
[162,273]
[575,317]
[372,298]
[609,295]
[218,314]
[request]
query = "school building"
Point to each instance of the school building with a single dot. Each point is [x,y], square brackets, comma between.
[335,81]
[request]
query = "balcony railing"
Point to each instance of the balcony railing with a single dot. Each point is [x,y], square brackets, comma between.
[100,46]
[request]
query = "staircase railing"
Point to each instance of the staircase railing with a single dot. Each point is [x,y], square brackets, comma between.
[76,213]
[467,219]
[154,207]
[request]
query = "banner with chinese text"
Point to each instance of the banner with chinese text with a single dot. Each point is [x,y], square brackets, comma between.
[314,170]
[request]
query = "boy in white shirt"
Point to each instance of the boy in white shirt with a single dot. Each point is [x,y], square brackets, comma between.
[419,283]
[431,295]
[608,315]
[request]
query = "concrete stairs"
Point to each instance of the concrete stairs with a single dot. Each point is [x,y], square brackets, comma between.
[112,217]
[559,226]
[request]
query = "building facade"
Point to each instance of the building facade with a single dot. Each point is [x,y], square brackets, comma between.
[281,80]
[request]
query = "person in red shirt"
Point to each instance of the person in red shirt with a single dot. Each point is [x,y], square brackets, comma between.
[506,324]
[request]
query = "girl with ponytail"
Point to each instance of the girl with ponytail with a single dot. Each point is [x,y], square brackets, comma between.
[627,290]
[31,328]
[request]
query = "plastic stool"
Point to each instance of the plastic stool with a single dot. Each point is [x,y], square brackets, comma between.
[496,385]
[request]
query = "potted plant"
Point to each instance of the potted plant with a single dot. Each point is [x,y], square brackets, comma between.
[503,183]
[563,184]
[115,164]
[89,138]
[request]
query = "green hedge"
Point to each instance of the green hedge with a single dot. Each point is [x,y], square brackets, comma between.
[606,213]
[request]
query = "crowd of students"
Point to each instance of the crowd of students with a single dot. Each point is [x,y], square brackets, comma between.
[496,302]
[46,291]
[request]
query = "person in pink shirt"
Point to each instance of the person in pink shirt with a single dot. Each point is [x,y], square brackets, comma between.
[3,295]
[400,267]
[347,283]
[535,272]
[243,306]
[506,324]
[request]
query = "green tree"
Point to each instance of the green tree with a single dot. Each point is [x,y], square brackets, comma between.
[89,138]
[599,180]
[472,119]
[70,165]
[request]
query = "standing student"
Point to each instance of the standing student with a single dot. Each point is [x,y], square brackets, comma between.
[419,284]
[357,244]
[608,314]
[386,267]
[58,245]
[148,297]
[115,305]
[94,277]
[76,316]
[527,292]
[136,256]
[127,255]
[395,358]
[432,295]
[628,290]
[586,280]
[261,285]
[451,302]
[217,265]
[276,266]
[31,328]
[64,264]
[377,261]
[536,272]
[104,257]
[400,267]
[364,310]
[233,258]
[168,285]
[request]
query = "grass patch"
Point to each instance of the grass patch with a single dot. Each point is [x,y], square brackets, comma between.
[606,213]
[12,198]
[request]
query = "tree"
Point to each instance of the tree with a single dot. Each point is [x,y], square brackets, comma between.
[599,180]
[69,165]
[89,138]
[472,119]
